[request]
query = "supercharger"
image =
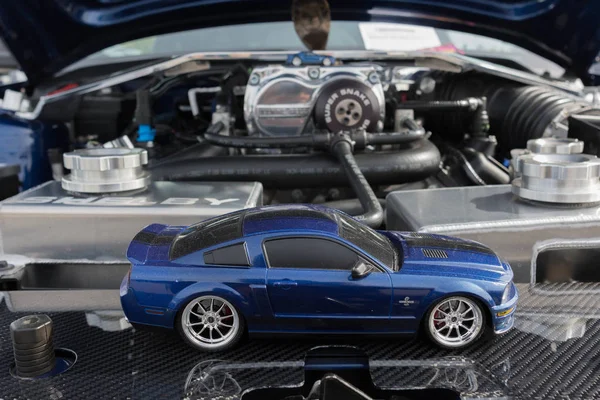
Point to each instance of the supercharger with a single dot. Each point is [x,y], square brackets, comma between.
[289,100]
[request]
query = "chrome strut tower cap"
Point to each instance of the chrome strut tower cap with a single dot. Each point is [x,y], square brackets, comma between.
[558,178]
[555,146]
[103,170]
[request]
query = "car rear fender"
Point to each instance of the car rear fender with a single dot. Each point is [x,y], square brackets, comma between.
[210,288]
[137,252]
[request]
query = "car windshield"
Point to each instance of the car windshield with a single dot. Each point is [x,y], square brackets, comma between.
[344,35]
[371,241]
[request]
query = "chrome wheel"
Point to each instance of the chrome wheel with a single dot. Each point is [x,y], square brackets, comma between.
[455,322]
[211,379]
[210,322]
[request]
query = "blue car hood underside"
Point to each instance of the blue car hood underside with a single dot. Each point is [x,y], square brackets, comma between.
[46,36]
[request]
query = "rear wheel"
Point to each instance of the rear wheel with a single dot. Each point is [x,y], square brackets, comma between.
[455,322]
[210,323]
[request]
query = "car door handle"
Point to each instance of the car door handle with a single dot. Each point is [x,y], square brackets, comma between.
[285,284]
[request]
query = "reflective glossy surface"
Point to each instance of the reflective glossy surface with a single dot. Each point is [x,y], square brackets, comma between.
[551,353]
[456,321]
[210,322]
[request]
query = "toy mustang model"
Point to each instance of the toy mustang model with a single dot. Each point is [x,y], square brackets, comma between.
[309,269]
[306,58]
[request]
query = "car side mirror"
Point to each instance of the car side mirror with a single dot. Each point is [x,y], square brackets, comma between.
[361,270]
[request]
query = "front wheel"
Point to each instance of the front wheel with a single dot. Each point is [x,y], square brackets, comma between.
[455,322]
[210,323]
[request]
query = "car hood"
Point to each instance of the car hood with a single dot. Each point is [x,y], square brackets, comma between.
[45,36]
[447,255]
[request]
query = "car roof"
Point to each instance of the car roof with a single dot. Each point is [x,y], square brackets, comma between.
[235,225]
[293,217]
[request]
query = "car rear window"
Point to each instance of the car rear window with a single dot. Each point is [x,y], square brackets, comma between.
[233,255]
[206,234]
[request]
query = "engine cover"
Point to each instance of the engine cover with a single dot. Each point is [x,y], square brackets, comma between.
[281,100]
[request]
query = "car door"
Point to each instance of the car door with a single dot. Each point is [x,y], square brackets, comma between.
[310,286]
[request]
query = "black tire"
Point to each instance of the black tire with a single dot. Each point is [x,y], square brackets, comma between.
[233,338]
[453,342]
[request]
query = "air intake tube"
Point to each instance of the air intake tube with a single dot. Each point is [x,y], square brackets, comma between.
[516,112]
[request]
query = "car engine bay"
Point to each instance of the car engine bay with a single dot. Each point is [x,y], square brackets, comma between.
[409,127]
[425,142]
[367,133]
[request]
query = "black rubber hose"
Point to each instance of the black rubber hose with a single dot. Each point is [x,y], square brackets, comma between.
[212,135]
[414,162]
[251,142]
[373,213]
[444,105]
[475,106]
[350,206]
[318,140]
[192,152]
[406,136]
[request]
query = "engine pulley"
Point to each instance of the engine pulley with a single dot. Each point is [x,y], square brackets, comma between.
[347,104]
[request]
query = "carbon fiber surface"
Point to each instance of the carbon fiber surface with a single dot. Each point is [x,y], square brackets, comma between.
[553,353]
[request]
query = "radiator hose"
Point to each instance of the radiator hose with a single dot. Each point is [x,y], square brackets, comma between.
[415,161]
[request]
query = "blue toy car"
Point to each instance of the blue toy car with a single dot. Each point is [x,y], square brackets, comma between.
[307,58]
[309,269]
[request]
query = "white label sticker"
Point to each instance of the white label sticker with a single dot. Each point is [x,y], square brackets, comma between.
[397,37]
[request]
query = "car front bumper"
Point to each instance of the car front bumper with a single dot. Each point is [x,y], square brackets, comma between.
[503,316]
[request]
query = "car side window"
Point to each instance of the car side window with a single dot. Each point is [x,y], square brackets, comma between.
[233,255]
[309,253]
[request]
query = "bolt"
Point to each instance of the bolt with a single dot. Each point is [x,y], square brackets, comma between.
[427,84]
[32,345]
[313,73]
[373,78]
[333,194]
[297,195]
[254,79]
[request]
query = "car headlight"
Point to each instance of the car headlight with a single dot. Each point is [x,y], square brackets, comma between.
[508,293]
